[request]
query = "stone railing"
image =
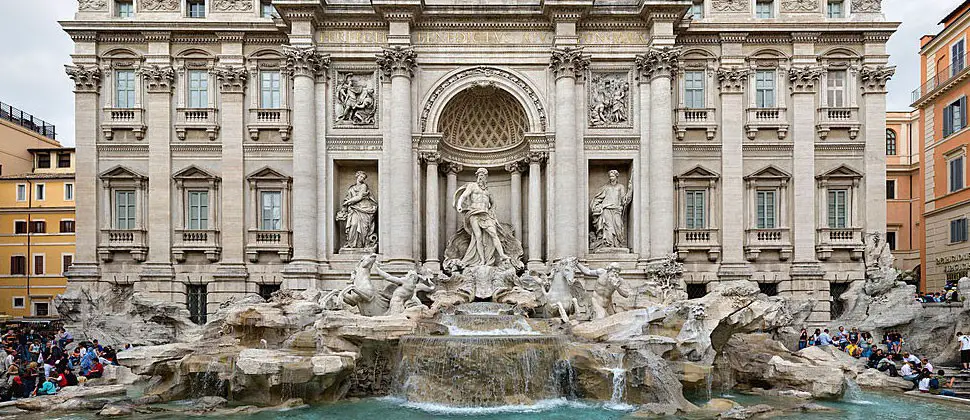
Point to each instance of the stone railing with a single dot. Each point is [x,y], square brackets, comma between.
[277,119]
[268,241]
[133,241]
[205,241]
[123,119]
[696,119]
[830,118]
[704,240]
[197,119]
[830,239]
[758,119]
[758,240]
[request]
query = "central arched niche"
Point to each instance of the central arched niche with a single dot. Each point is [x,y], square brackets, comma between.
[483,125]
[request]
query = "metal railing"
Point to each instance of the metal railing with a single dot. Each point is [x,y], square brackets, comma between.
[942,76]
[27,121]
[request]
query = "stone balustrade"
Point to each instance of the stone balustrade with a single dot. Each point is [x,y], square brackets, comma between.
[831,239]
[190,240]
[277,119]
[702,240]
[123,119]
[759,240]
[206,119]
[133,241]
[830,118]
[696,119]
[767,119]
[269,241]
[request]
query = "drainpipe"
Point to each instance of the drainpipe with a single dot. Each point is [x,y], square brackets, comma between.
[29,263]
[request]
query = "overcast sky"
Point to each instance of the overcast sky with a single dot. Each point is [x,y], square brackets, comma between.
[33,51]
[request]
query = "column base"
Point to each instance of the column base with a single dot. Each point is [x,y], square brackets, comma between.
[83,272]
[538,266]
[231,272]
[432,265]
[154,271]
[808,284]
[734,271]
[300,275]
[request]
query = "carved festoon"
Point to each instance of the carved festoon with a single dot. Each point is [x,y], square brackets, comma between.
[92,4]
[731,5]
[568,62]
[158,5]
[874,78]
[804,79]
[232,5]
[397,61]
[799,5]
[86,79]
[609,100]
[355,99]
[866,6]
[158,79]
[232,79]
[732,80]
[305,61]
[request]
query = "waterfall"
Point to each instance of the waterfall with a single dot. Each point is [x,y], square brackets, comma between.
[853,394]
[619,383]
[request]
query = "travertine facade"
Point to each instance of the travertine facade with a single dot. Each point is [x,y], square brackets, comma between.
[750,141]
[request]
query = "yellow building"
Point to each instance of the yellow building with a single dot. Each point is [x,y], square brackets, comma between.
[37,227]
[20,132]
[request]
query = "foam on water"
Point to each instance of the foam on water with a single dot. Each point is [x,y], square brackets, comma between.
[538,407]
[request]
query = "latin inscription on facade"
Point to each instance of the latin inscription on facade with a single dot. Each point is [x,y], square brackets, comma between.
[377,37]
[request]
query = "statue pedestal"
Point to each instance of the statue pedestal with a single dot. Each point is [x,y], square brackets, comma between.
[622,256]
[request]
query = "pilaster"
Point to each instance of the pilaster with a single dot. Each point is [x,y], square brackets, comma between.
[732,81]
[874,79]
[87,85]
[232,224]
[158,80]
[642,226]
[451,171]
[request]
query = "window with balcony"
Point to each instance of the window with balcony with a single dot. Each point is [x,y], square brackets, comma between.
[695,209]
[195,8]
[18,265]
[269,228]
[197,296]
[835,89]
[956,168]
[125,9]
[40,192]
[21,192]
[197,229]
[269,88]
[198,89]
[697,214]
[67,226]
[958,57]
[125,89]
[765,88]
[694,89]
[122,224]
[838,209]
[63,160]
[767,208]
[271,210]
[890,142]
[958,230]
[198,210]
[955,116]
[890,189]
[68,191]
[766,215]
[835,9]
[839,228]
[764,9]
[697,10]
[267,10]
[125,209]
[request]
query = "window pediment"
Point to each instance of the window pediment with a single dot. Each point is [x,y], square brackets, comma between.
[121,173]
[841,172]
[699,172]
[267,174]
[769,172]
[194,172]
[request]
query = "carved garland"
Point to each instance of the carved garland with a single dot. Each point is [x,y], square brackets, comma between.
[92,4]
[158,5]
[731,5]
[232,79]
[158,79]
[867,6]
[804,79]
[874,78]
[800,5]
[232,5]
[732,80]
[487,72]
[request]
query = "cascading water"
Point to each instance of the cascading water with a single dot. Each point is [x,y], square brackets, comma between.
[619,384]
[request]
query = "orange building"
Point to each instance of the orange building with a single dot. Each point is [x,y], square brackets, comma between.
[903,189]
[944,140]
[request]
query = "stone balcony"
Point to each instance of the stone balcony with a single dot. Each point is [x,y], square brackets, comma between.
[269,241]
[698,240]
[846,118]
[133,241]
[205,241]
[696,119]
[206,119]
[123,119]
[277,119]
[831,239]
[758,240]
[758,119]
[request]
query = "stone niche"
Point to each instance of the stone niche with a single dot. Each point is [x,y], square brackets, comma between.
[599,177]
[345,176]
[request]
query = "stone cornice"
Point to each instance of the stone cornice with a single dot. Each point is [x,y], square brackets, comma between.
[398,10]
[232,79]
[158,79]
[397,61]
[305,61]
[804,79]
[874,78]
[86,79]
[568,62]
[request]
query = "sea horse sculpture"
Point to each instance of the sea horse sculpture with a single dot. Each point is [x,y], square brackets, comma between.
[565,291]
[362,293]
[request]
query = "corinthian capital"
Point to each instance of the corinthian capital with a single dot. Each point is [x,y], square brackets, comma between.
[732,79]
[158,79]
[537,157]
[431,158]
[658,62]
[568,62]
[397,61]
[451,168]
[86,79]
[232,79]
[305,61]
[874,78]
[804,79]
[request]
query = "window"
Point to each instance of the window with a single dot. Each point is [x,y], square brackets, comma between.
[198,89]
[696,291]
[42,308]
[19,302]
[697,10]
[125,8]
[38,226]
[68,192]
[694,89]
[266,290]
[955,116]
[196,302]
[67,226]
[838,209]
[695,209]
[21,192]
[125,89]
[836,9]
[66,261]
[958,230]
[835,89]
[39,266]
[765,88]
[765,9]
[767,205]
[957,57]
[63,160]
[891,240]
[124,209]
[890,189]
[40,192]
[267,10]
[43,160]
[195,8]
[198,210]
[956,168]
[770,289]
[18,265]
[269,87]
[272,210]
[20,227]
[890,142]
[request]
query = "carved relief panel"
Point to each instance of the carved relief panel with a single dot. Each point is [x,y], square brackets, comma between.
[609,100]
[355,99]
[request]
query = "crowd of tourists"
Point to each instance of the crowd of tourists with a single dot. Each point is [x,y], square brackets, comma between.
[41,363]
[947,295]
[888,355]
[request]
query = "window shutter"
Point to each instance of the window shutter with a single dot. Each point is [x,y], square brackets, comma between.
[963,113]
[947,121]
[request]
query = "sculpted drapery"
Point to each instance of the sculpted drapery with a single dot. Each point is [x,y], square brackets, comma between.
[357,211]
[608,211]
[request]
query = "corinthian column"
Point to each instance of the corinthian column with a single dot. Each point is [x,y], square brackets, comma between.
[398,64]
[732,83]
[232,226]
[304,64]
[641,226]
[515,169]
[874,79]
[567,64]
[432,221]
[535,208]
[87,84]
[451,171]
[158,81]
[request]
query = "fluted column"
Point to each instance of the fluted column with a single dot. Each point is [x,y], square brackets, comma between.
[232,226]
[304,64]
[535,208]
[158,80]
[874,79]
[732,83]
[398,64]
[451,171]
[433,218]
[87,84]
[567,64]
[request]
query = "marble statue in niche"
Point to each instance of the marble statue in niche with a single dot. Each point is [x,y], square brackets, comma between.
[358,210]
[609,103]
[608,215]
[482,240]
[355,100]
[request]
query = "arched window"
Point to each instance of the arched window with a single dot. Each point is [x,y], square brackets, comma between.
[890,142]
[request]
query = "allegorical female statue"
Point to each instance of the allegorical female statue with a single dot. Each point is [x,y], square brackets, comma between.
[357,211]
[608,211]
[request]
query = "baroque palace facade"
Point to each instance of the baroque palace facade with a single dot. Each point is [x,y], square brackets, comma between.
[233,146]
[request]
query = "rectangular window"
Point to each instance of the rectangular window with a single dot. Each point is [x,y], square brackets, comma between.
[198,89]
[125,8]
[266,290]
[40,192]
[891,240]
[19,302]
[765,88]
[66,261]
[42,308]
[38,226]
[890,189]
[68,192]
[957,57]
[43,160]
[198,210]
[697,10]
[63,160]
[958,230]
[196,302]
[694,89]
[39,268]
[269,87]
[272,210]
[838,209]
[955,116]
[195,8]
[770,289]
[836,9]
[21,192]
[20,227]
[67,226]
[18,265]
[765,9]
[267,10]
[767,208]
[835,89]
[695,209]
[125,89]
[956,167]
[124,209]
